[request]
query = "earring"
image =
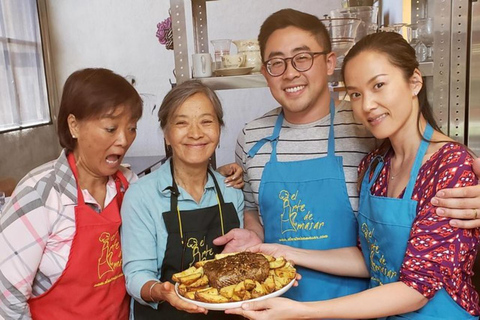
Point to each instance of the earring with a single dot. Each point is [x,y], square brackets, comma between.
[73,136]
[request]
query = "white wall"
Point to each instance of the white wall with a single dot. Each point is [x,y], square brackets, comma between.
[120,35]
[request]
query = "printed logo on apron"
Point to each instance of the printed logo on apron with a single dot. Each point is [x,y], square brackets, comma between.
[110,259]
[200,250]
[378,263]
[296,216]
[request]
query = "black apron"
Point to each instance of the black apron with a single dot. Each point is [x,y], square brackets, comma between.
[190,239]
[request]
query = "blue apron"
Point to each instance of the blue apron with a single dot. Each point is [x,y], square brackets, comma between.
[383,219]
[304,204]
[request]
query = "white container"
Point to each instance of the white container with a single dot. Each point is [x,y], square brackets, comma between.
[221,47]
[251,49]
[202,65]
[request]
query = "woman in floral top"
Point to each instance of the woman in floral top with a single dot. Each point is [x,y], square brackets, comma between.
[419,266]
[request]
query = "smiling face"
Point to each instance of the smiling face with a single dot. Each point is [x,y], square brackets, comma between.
[304,96]
[102,142]
[381,97]
[193,131]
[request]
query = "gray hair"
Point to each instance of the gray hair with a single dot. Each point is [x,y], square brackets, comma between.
[180,93]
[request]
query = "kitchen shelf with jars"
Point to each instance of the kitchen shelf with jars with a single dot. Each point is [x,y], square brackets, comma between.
[445,68]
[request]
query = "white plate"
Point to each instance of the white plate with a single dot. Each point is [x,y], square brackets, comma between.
[232,305]
[233,71]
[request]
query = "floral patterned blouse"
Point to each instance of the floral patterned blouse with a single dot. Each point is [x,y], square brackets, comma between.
[438,255]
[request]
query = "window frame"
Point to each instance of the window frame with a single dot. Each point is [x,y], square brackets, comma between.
[50,83]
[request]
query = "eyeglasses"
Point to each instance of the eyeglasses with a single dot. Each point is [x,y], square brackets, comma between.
[302,62]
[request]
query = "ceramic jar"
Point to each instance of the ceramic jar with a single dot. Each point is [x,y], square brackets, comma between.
[251,49]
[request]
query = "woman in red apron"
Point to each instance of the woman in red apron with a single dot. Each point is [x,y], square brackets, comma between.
[171,216]
[61,229]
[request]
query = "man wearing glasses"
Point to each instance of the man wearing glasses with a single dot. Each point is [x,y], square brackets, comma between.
[295,184]
[300,159]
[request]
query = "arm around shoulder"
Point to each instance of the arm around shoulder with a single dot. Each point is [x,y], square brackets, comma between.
[461,204]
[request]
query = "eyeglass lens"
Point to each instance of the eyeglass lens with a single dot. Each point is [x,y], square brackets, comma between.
[301,62]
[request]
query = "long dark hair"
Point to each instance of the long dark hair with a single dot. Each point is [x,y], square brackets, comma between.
[401,55]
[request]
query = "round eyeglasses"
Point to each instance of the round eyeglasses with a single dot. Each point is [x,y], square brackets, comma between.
[302,62]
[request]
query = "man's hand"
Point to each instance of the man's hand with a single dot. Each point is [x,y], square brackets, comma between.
[237,240]
[461,204]
[234,175]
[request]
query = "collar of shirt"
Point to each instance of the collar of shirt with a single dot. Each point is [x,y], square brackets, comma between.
[165,182]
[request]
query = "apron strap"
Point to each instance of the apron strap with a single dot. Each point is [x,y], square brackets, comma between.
[220,201]
[331,133]
[422,150]
[276,133]
[368,183]
[174,201]
[273,138]
[73,167]
[217,188]
[121,184]
[174,192]
[120,181]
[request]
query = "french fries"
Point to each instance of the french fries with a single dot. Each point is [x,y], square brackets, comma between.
[194,284]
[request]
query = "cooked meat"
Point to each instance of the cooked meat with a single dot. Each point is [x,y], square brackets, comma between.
[236,268]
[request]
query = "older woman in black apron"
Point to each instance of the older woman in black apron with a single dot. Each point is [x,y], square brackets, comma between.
[171,216]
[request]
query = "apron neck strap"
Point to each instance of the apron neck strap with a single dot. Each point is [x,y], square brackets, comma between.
[73,167]
[174,193]
[120,182]
[422,150]
[273,138]
[331,133]
[368,183]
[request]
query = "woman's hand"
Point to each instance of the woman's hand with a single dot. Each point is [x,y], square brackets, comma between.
[273,249]
[275,308]
[166,291]
[234,175]
[237,240]
[460,204]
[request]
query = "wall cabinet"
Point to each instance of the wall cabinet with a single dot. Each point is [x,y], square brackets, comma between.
[446,77]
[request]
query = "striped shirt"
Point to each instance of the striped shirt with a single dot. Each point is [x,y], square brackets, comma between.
[302,142]
[37,227]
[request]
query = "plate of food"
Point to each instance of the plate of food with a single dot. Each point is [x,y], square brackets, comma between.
[232,279]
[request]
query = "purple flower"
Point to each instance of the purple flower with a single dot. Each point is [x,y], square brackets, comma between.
[165,34]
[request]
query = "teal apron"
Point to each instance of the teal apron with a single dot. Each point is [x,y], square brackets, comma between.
[385,225]
[304,204]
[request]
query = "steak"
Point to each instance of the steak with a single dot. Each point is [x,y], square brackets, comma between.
[236,268]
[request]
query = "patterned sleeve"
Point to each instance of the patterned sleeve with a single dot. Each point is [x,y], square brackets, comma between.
[24,231]
[438,255]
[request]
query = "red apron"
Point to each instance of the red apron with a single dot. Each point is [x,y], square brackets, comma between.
[92,285]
